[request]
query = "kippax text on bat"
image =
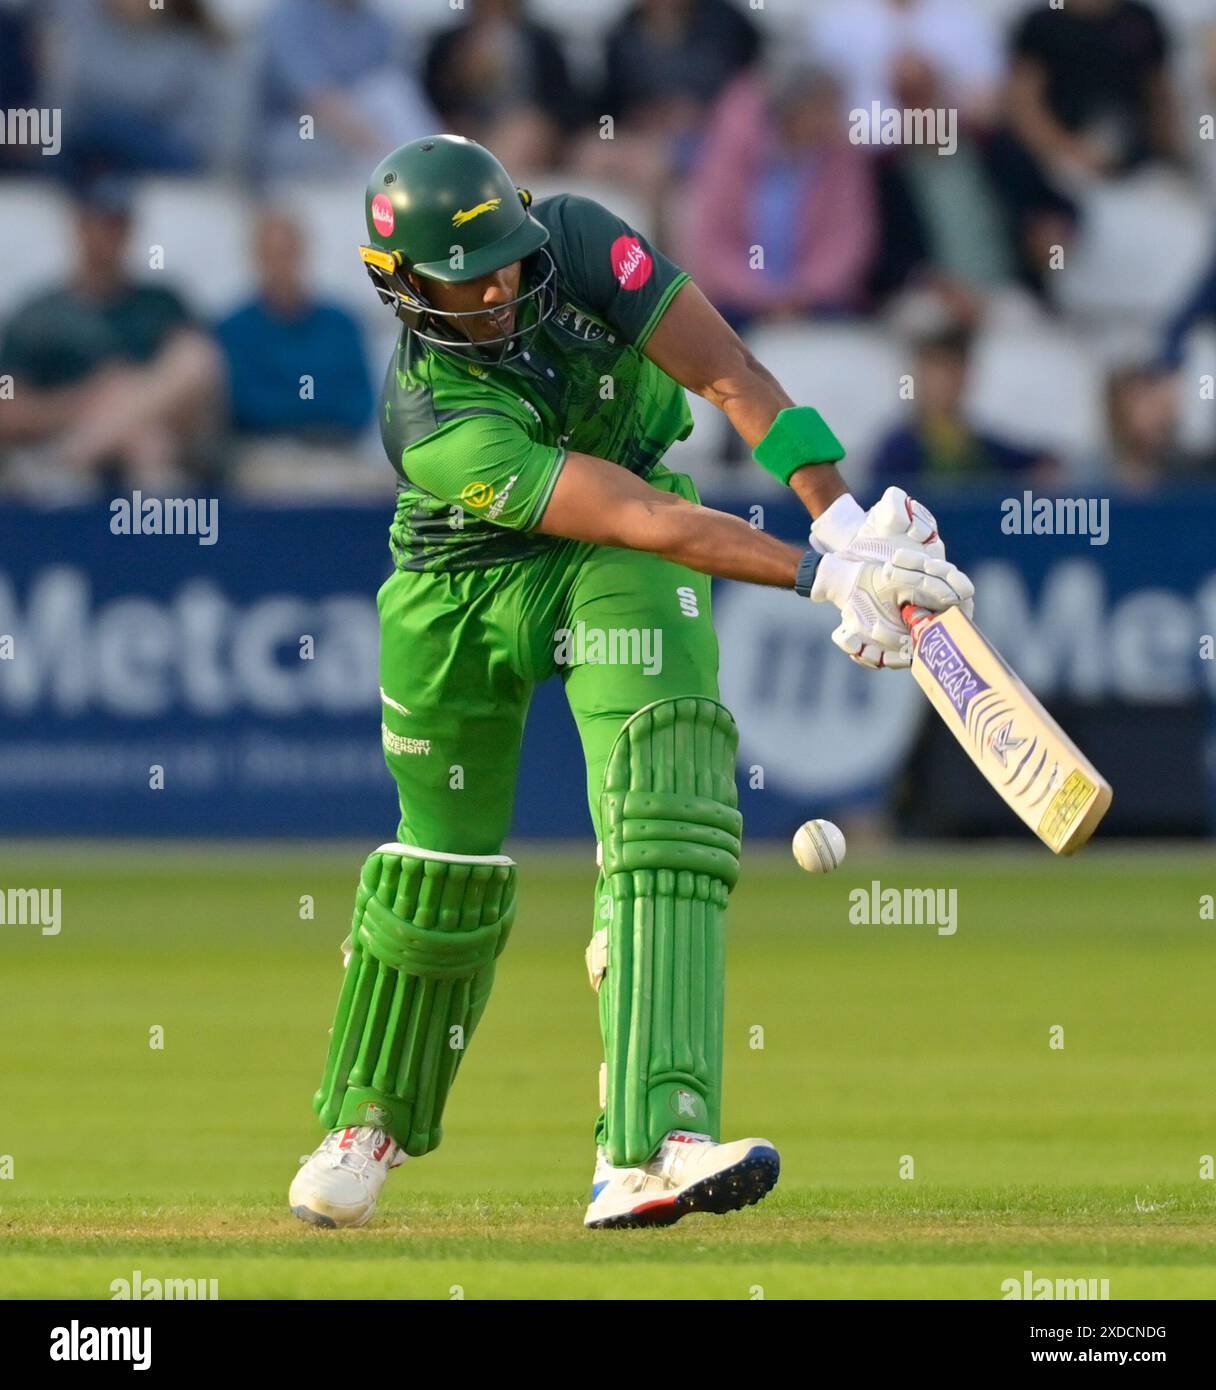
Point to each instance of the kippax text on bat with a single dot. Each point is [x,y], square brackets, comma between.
[943,660]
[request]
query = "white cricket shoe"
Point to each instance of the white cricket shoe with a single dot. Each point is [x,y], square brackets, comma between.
[689,1173]
[340,1184]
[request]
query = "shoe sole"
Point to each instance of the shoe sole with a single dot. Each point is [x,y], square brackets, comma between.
[317,1218]
[314,1218]
[743,1184]
[306,1214]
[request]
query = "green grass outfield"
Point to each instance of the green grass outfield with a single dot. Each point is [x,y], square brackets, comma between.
[878,1042]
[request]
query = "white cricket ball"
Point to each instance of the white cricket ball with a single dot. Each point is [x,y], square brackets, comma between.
[819,846]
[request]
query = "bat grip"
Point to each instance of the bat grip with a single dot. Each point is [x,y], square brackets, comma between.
[915,618]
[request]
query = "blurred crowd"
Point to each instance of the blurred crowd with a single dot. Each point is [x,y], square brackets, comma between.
[1066,198]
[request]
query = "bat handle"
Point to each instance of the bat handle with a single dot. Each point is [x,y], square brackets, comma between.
[915,618]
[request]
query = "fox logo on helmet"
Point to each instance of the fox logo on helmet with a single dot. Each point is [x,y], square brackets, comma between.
[460,217]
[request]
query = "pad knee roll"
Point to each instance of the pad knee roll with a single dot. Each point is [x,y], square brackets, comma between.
[670,858]
[427,931]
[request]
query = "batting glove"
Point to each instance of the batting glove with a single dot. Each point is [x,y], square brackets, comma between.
[895,517]
[871,583]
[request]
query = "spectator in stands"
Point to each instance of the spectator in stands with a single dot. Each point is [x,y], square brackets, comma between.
[502,79]
[782,210]
[139,86]
[1090,97]
[942,228]
[865,41]
[666,64]
[940,445]
[112,378]
[1142,424]
[297,370]
[340,66]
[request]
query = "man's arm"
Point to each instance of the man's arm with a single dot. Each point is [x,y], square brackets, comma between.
[594,500]
[695,346]
[34,413]
[601,502]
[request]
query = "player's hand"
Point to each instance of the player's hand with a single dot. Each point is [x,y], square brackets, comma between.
[871,591]
[896,519]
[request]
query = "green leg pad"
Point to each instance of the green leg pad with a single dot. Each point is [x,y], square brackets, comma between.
[427,932]
[671,830]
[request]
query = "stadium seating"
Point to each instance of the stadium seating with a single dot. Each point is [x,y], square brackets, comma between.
[851,371]
[36,234]
[1039,387]
[1144,241]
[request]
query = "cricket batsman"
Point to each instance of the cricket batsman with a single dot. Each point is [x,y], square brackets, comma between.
[538,381]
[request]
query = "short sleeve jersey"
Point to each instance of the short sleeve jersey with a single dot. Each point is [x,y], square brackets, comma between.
[478,448]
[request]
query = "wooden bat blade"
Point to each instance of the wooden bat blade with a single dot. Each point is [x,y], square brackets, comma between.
[1023,753]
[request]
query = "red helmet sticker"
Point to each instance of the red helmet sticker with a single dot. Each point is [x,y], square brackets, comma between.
[632,264]
[382,215]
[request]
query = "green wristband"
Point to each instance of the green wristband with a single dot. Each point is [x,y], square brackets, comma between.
[798,436]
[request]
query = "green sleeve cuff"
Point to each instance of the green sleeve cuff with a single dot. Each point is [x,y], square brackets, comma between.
[542,501]
[798,436]
[661,308]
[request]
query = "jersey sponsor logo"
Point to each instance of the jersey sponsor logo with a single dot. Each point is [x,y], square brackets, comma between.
[460,216]
[632,264]
[399,744]
[501,500]
[477,494]
[688,601]
[383,217]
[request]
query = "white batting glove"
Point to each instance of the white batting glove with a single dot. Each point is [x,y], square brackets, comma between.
[871,591]
[895,517]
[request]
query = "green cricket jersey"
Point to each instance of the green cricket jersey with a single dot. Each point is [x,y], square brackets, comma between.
[478,448]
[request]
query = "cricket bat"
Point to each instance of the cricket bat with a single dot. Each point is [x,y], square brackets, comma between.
[1034,766]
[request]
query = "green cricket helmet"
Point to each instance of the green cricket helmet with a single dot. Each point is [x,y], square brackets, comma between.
[445,209]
